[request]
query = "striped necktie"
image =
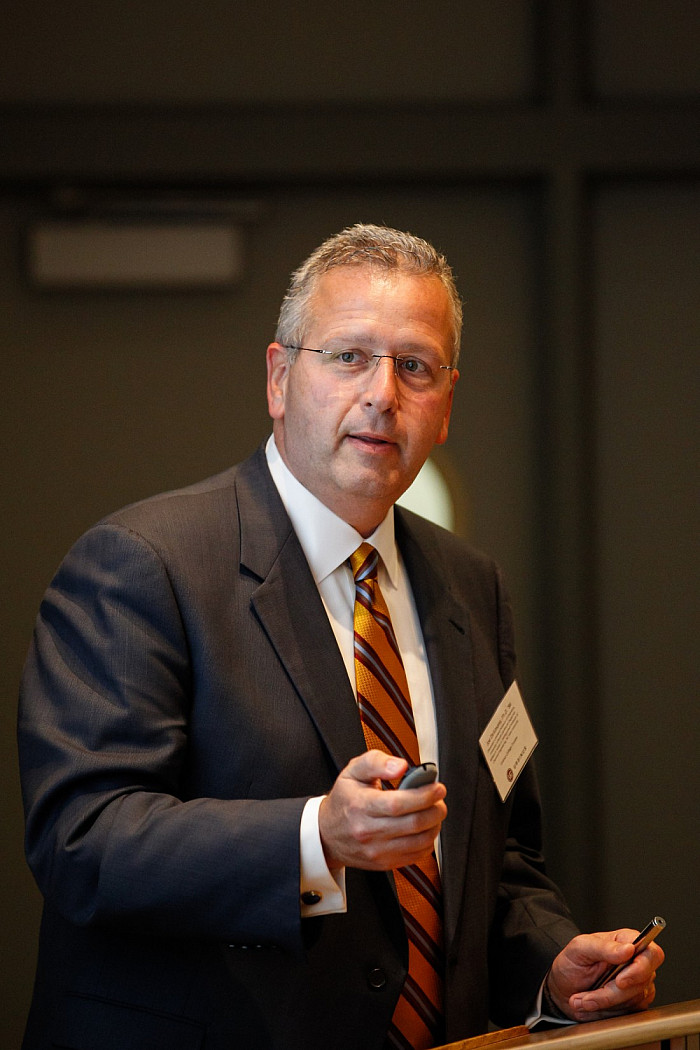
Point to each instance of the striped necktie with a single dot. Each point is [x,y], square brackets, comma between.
[387,721]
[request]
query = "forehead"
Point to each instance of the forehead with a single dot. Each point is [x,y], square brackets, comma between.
[378,304]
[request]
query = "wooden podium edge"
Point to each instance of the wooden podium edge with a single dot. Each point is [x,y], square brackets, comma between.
[614,1033]
[515,1035]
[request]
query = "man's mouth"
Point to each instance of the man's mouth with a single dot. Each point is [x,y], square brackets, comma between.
[372,440]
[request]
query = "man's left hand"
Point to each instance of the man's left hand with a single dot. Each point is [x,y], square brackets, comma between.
[585,958]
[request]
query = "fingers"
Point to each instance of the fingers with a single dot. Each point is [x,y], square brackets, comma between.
[364,826]
[582,962]
[642,969]
[612,1001]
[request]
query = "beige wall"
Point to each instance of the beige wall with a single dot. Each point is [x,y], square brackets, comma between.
[573,228]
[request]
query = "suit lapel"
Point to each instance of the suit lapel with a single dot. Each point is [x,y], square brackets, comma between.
[290,609]
[445,624]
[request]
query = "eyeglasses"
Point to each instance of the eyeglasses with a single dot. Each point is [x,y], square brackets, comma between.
[417,374]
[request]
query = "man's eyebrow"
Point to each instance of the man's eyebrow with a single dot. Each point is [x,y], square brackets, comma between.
[353,339]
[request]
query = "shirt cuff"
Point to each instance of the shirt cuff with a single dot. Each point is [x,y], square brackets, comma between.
[322,891]
[541,1011]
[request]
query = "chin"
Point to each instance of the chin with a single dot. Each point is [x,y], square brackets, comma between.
[377,488]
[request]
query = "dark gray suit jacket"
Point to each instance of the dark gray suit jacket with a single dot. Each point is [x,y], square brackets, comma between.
[182,699]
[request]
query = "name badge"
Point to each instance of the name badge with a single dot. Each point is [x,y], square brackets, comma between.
[508,741]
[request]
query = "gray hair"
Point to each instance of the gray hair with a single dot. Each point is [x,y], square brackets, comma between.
[364,245]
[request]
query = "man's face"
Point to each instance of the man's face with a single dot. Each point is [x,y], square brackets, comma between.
[357,443]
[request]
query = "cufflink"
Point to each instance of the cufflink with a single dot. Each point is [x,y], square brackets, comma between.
[311,897]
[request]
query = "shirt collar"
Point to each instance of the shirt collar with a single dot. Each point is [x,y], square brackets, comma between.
[327,540]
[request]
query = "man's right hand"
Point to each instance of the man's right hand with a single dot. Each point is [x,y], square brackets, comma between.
[364,826]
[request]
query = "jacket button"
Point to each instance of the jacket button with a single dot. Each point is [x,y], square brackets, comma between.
[376,978]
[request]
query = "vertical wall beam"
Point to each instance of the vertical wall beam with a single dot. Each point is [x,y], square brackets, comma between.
[568,671]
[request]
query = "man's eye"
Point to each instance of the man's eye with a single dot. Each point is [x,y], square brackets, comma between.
[414,366]
[349,357]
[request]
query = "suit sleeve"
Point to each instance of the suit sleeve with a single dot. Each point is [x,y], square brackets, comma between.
[532,922]
[103,735]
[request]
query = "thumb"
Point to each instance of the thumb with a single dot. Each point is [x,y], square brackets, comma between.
[612,947]
[375,765]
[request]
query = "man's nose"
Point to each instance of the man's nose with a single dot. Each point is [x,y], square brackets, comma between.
[382,384]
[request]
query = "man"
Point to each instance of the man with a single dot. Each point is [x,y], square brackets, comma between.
[221,853]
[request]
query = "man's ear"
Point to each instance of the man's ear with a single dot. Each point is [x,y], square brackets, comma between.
[442,436]
[277,373]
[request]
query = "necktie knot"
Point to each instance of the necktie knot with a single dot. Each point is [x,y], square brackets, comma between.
[364,563]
